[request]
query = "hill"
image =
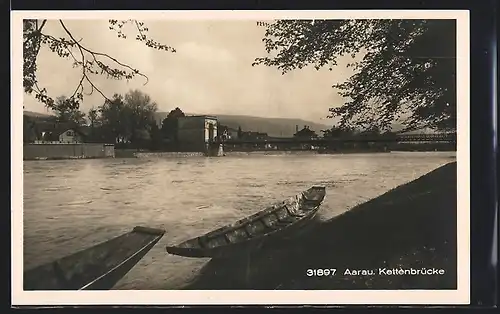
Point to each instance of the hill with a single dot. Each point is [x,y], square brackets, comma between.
[272,126]
[32,114]
[278,127]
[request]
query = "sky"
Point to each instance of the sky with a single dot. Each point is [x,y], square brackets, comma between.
[211,72]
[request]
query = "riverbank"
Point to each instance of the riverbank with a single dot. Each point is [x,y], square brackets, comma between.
[65,158]
[134,153]
[411,226]
[61,151]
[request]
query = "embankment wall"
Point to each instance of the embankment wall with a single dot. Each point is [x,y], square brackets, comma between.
[68,151]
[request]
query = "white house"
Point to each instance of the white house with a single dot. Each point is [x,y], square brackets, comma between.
[70,136]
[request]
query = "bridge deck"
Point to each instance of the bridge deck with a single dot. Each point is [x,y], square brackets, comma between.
[446,138]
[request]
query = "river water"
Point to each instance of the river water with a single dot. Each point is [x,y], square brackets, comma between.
[73,204]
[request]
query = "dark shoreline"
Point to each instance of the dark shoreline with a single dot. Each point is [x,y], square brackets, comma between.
[65,158]
[411,226]
[134,153]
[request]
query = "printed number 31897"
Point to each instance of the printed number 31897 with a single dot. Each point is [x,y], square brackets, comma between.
[321,272]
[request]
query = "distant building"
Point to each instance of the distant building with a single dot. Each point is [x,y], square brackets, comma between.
[232,134]
[71,136]
[306,132]
[63,133]
[194,133]
[251,135]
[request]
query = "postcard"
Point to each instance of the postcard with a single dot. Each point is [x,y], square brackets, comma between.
[240,157]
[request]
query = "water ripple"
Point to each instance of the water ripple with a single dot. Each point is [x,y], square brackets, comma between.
[71,205]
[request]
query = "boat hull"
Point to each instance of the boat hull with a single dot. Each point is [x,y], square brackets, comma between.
[263,229]
[99,267]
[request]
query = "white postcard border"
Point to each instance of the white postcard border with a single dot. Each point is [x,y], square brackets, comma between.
[243,297]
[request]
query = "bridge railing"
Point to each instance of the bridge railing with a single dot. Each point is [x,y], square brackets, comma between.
[359,138]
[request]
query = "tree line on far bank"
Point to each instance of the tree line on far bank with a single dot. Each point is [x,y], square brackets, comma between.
[403,69]
[342,131]
[129,121]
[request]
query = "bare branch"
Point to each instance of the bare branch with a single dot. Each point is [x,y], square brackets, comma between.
[90,61]
[41,26]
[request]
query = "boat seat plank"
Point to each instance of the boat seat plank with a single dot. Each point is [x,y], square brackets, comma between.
[270,221]
[271,226]
[284,216]
[275,223]
[287,221]
[295,213]
[228,238]
[217,241]
[282,213]
[249,235]
[311,198]
[237,235]
[256,228]
[284,223]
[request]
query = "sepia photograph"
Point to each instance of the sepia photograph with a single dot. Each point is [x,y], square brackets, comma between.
[258,157]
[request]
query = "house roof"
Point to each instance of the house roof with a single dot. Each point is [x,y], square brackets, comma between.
[77,130]
[305,132]
[57,129]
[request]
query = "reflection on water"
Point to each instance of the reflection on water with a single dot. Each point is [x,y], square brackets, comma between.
[70,205]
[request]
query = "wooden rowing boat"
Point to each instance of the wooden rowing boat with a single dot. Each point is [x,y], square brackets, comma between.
[279,219]
[98,267]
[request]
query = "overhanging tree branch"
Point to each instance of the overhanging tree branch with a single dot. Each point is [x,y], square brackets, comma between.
[398,65]
[91,62]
